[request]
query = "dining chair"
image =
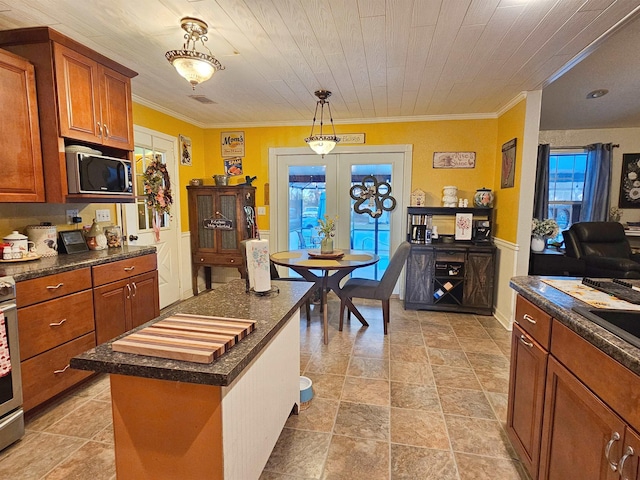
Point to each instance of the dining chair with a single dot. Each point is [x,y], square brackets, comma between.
[375,289]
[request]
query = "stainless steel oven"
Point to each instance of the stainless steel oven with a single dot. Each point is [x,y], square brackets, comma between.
[11,416]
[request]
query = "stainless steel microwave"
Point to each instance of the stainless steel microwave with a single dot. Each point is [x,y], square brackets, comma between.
[89,173]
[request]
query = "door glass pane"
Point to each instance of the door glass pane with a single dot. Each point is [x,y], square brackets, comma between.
[307,203]
[369,233]
[142,157]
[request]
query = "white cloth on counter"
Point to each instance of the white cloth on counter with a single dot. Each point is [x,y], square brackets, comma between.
[258,268]
[5,360]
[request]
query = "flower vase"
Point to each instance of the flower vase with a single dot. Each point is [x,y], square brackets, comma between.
[326,245]
[537,243]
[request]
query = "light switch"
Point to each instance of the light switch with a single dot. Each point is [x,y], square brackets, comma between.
[103,215]
[262,210]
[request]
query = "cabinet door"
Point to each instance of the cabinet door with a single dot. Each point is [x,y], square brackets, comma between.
[526,397]
[111,305]
[145,304]
[578,429]
[116,109]
[478,280]
[629,465]
[22,178]
[77,83]
[419,279]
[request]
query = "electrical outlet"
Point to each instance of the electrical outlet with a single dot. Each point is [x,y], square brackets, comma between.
[70,215]
[262,210]
[103,215]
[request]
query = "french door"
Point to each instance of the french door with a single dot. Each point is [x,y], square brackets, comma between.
[309,187]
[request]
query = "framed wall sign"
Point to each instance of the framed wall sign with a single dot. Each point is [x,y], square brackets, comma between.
[508,164]
[185,150]
[463,226]
[232,144]
[630,181]
[454,159]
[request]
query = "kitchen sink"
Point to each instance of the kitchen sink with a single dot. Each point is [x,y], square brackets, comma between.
[623,323]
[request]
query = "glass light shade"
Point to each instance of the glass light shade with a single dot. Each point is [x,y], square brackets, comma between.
[195,67]
[322,144]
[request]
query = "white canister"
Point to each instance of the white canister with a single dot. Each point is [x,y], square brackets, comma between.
[16,239]
[45,239]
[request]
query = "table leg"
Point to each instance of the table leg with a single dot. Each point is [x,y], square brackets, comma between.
[325,319]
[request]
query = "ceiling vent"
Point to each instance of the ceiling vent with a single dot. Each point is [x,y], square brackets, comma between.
[202,99]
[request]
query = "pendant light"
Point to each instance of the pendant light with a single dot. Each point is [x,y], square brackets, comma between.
[320,143]
[196,67]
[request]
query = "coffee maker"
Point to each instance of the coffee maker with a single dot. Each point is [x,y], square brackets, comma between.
[481,232]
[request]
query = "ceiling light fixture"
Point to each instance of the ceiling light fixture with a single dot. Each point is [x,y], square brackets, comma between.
[196,67]
[322,144]
[597,93]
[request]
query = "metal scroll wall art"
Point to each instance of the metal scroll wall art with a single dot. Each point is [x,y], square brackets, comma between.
[372,197]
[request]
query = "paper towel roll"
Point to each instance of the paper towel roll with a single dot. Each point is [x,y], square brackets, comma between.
[258,265]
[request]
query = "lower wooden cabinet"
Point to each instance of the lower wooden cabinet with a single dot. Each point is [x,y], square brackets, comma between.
[526,397]
[581,437]
[125,304]
[48,374]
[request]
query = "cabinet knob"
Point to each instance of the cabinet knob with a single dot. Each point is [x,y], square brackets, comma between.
[202,259]
[232,260]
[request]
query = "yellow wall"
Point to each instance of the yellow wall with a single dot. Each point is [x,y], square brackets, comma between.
[427,137]
[510,125]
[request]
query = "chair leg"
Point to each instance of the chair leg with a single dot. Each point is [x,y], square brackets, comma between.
[307,306]
[342,305]
[385,314]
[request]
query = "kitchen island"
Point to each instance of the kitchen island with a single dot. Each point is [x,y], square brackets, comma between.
[574,390]
[177,419]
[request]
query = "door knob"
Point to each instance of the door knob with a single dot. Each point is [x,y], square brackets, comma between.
[133,238]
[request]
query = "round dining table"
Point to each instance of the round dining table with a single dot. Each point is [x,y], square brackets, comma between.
[326,271]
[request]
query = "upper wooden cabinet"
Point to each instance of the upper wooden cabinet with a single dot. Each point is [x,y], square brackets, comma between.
[83,98]
[22,179]
[94,101]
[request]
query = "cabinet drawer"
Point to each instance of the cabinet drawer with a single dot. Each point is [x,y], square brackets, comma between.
[48,374]
[533,321]
[45,326]
[46,288]
[112,272]
[217,259]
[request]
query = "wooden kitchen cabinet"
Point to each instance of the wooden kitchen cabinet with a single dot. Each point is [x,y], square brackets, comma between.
[83,98]
[215,243]
[94,101]
[55,323]
[578,428]
[22,177]
[419,278]
[125,295]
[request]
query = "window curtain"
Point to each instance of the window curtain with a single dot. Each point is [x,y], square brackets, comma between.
[595,198]
[541,198]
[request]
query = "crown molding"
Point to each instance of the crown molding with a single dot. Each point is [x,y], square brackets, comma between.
[146,103]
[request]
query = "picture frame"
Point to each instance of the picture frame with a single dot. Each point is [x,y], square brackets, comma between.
[232,144]
[464,222]
[630,181]
[507,179]
[454,159]
[185,150]
[233,166]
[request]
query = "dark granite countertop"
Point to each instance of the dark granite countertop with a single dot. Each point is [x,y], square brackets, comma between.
[64,262]
[559,305]
[270,312]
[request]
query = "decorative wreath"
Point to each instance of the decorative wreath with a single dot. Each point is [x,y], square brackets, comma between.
[157,187]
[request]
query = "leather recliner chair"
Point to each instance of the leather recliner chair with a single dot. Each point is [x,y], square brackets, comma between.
[604,248]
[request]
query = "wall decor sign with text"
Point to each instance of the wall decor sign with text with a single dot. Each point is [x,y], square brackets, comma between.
[351,138]
[454,159]
[508,164]
[233,166]
[630,181]
[185,150]
[232,144]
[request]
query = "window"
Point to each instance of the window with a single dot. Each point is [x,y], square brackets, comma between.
[566,183]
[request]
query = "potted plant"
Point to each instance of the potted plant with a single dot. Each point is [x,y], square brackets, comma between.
[541,230]
[327,230]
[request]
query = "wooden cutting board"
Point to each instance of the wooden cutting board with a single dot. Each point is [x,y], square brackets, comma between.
[193,338]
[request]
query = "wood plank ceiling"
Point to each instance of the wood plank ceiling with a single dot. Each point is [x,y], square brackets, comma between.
[382,59]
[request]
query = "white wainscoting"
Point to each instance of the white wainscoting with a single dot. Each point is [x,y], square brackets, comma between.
[505,303]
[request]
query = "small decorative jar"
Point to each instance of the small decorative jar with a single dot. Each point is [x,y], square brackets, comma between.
[483,198]
[449,196]
[96,239]
[326,245]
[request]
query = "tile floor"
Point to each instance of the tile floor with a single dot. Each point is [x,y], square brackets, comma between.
[426,402]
